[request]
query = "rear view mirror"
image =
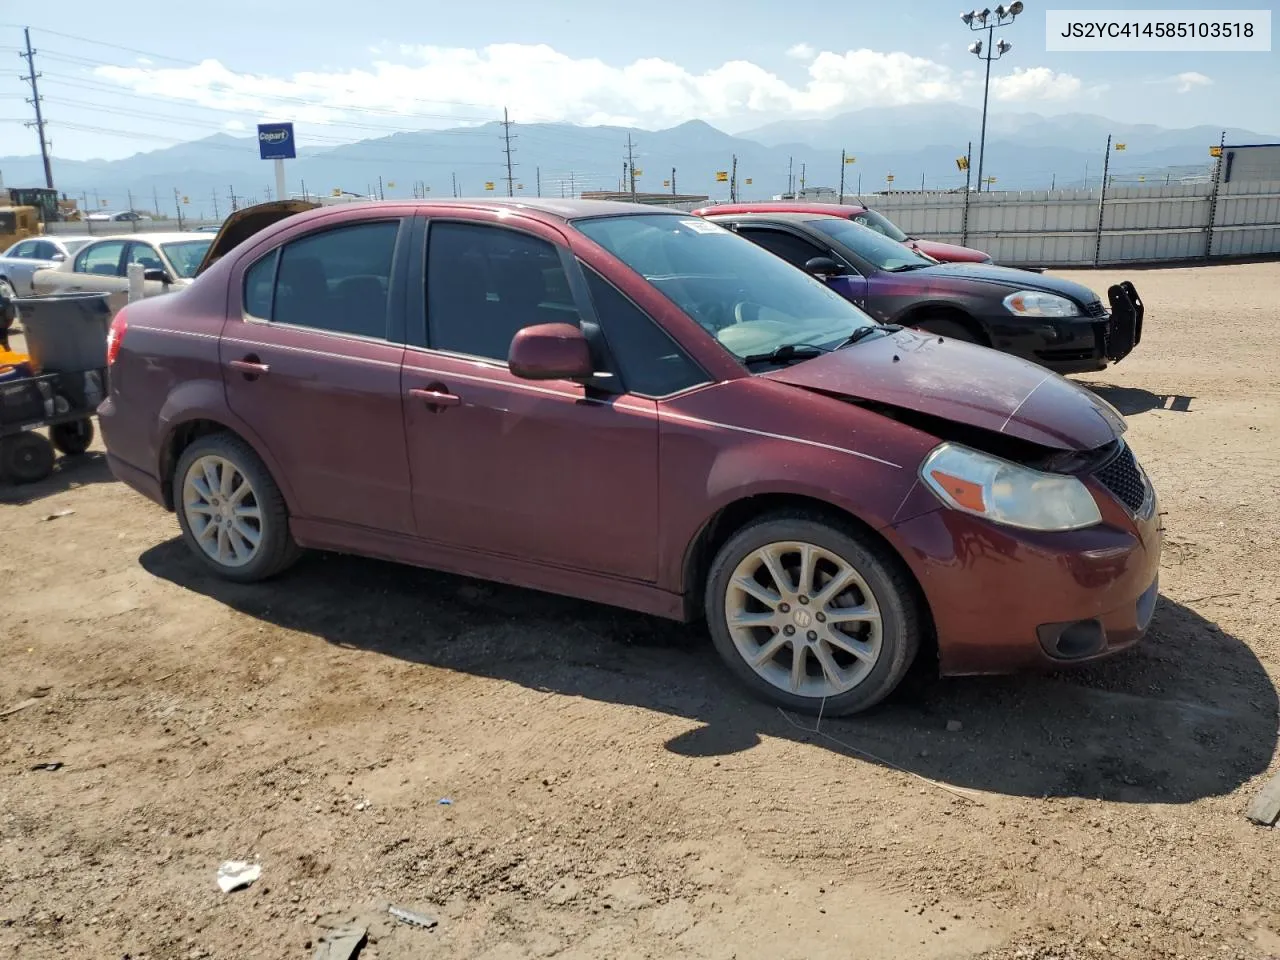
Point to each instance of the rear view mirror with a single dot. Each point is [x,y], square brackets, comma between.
[823,267]
[58,256]
[159,276]
[550,351]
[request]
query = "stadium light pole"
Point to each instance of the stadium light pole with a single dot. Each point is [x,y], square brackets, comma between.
[988,19]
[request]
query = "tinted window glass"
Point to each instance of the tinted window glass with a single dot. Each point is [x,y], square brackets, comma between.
[187,255]
[26,250]
[146,256]
[880,224]
[484,284]
[102,259]
[258,283]
[793,249]
[337,280]
[44,250]
[651,363]
[876,248]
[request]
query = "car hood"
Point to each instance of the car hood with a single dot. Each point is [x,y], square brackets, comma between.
[1014,279]
[948,252]
[242,224]
[964,383]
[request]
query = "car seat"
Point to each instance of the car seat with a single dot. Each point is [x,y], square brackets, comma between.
[303,292]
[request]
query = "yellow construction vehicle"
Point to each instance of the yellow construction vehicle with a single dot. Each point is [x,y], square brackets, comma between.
[18,223]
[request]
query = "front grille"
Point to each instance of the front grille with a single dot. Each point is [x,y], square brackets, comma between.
[1123,477]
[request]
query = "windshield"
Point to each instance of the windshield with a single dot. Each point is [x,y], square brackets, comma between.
[186,255]
[875,248]
[880,224]
[73,245]
[748,299]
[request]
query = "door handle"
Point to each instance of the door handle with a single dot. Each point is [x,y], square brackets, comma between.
[436,396]
[250,368]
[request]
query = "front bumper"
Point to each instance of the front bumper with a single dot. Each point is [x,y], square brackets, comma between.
[1076,344]
[1006,600]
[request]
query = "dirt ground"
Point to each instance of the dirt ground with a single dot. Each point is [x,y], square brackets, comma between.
[609,792]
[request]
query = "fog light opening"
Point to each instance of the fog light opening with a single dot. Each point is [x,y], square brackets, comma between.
[1080,639]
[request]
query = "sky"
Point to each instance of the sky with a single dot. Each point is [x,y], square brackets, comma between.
[114,86]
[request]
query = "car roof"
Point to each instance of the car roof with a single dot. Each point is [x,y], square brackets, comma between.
[784,206]
[540,208]
[781,216]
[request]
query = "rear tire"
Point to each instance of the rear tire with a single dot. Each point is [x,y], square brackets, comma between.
[231,511]
[847,610]
[26,458]
[946,327]
[73,438]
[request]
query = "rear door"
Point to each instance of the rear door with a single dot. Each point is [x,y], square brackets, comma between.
[99,268]
[148,257]
[313,366]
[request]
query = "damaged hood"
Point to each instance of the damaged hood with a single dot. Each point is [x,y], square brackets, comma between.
[964,383]
[244,223]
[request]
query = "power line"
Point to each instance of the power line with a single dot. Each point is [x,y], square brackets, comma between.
[32,78]
[506,136]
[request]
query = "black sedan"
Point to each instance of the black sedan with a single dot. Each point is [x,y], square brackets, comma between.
[1048,320]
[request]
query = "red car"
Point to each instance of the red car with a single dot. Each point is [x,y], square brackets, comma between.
[638,408]
[942,252]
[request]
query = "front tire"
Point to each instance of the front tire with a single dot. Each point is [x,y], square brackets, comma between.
[231,511]
[812,617]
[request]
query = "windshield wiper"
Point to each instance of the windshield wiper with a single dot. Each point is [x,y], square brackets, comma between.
[787,353]
[909,266]
[863,332]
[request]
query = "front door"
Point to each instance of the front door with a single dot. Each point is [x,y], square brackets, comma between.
[798,251]
[311,369]
[535,471]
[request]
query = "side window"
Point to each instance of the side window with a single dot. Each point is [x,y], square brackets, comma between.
[337,280]
[651,363]
[789,247]
[44,250]
[145,255]
[259,284]
[485,284]
[102,259]
[26,250]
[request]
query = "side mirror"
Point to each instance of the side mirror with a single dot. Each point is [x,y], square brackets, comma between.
[823,267]
[550,351]
[58,256]
[160,276]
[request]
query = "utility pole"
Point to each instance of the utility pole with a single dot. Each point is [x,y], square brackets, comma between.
[968,172]
[267,193]
[455,184]
[31,78]
[733,180]
[791,181]
[673,181]
[177,204]
[537,172]
[97,201]
[573,187]
[842,163]
[1102,201]
[801,179]
[922,183]
[129,194]
[155,195]
[215,205]
[631,167]
[381,195]
[506,136]
[232,194]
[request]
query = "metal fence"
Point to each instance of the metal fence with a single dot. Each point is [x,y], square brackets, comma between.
[1037,228]
[1084,228]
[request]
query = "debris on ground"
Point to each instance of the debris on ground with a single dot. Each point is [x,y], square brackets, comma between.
[446,802]
[342,943]
[30,702]
[954,726]
[51,766]
[237,874]
[1265,809]
[59,515]
[412,917]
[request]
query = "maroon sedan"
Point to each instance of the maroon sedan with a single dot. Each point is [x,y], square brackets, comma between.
[638,408]
[872,219]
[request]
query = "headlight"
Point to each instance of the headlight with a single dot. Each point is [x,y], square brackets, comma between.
[1034,303]
[1007,493]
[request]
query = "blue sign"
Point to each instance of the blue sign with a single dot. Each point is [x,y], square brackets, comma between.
[275,141]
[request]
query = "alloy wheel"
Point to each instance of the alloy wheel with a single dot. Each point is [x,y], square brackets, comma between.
[222,511]
[803,619]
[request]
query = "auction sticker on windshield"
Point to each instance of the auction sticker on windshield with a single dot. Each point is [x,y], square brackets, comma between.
[702,226]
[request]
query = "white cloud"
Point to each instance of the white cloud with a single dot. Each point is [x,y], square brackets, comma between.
[1186,82]
[444,86]
[1036,83]
[801,51]
[234,126]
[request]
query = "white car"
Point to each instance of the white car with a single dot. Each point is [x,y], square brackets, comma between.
[19,263]
[102,265]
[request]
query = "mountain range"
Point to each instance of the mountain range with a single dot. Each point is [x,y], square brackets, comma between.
[915,144]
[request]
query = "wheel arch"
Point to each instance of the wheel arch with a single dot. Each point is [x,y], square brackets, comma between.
[735,515]
[944,311]
[182,433]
